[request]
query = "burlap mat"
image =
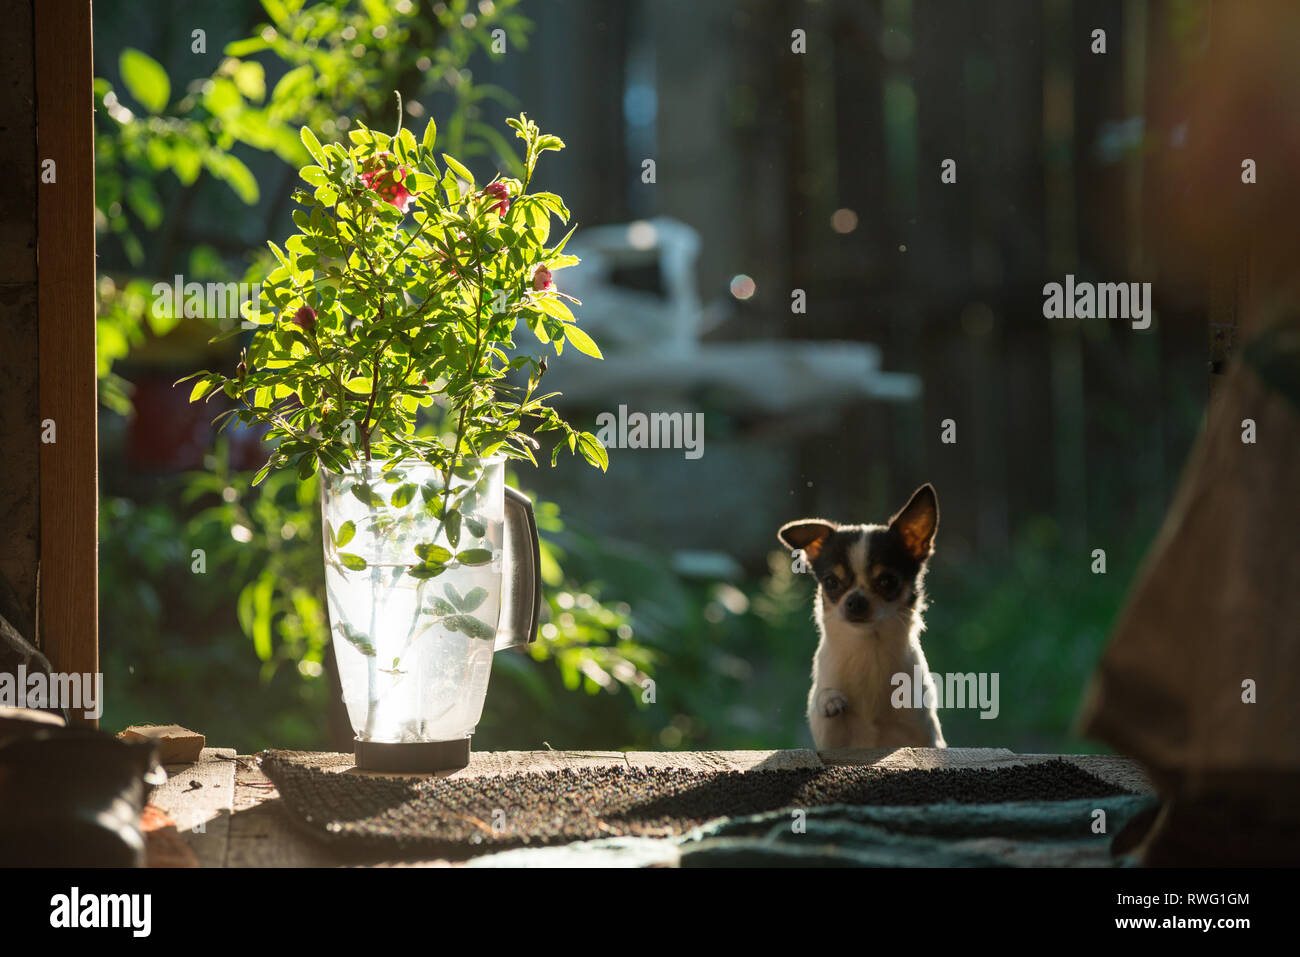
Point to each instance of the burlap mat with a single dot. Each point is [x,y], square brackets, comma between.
[461,817]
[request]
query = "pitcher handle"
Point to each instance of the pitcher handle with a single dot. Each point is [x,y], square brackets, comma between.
[521,592]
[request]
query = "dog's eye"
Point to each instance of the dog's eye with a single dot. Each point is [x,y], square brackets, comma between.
[887,583]
[830,581]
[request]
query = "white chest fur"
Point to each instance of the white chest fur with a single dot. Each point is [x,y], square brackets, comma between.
[850,704]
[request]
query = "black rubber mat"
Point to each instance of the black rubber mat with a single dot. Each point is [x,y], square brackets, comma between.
[461,817]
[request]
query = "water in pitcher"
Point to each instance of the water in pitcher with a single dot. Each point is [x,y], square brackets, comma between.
[413,604]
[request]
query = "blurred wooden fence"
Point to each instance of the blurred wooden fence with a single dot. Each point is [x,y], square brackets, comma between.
[757,147]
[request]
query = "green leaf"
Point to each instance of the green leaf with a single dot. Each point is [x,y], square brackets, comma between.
[433,553]
[346,531]
[593,451]
[284,260]
[581,341]
[470,626]
[230,169]
[474,556]
[259,615]
[245,47]
[555,307]
[355,562]
[426,570]
[452,594]
[250,78]
[358,640]
[432,495]
[452,525]
[144,202]
[473,598]
[442,608]
[403,494]
[559,247]
[202,389]
[476,528]
[458,168]
[423,182]
[405,145]
[430,135]
[554,204]
[145,79]
[366,495]
[313,146]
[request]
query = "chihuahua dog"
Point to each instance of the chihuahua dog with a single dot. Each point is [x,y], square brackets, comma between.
[868,611]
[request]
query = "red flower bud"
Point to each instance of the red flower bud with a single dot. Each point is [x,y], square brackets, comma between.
[305,318]
[501,192]
[542,279]
[379,177]
[241,371]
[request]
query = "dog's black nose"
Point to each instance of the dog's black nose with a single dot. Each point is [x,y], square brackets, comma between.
[856,607]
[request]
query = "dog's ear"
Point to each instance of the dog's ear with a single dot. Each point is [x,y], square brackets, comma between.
[917,522]
[809,534]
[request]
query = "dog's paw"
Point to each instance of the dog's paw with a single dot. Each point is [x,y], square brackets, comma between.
[831,702]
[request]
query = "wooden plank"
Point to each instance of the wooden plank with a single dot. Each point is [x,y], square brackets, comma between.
[176,745]
[19,355]
[689,760]
[261,833]
[912,759]
[68,584]
[497,763]
[930,758]
[725,760]
[481,763]
[199,797]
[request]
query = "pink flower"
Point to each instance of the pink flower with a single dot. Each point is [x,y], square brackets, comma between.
[379,177]
[499,191]
[305,318]
[542,279]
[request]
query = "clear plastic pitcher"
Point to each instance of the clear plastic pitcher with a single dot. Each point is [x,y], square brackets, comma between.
[427,574]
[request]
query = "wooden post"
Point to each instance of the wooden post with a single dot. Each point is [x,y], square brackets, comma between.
[19,410]
[65,217]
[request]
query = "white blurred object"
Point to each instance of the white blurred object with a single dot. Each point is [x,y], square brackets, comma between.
[651,341]
[619,316]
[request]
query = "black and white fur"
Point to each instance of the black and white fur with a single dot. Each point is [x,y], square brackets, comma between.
[870,597]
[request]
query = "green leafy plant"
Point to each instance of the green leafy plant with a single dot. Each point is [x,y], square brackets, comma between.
[160,144]
[170,153]
[371,322]
[366,321]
